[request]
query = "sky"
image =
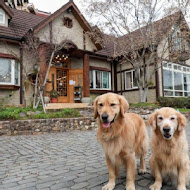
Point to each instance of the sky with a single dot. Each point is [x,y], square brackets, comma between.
[52,5]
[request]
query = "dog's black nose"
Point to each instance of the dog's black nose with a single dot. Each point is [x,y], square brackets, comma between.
[105,116]
[166,129]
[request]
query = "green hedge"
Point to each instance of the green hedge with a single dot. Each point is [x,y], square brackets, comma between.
[174,102]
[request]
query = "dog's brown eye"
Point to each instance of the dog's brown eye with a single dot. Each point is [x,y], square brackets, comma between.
[160,118]
[172,118]
[100,105]
[112,104]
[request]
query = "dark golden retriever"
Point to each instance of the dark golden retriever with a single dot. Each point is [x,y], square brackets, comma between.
[169,158]
[122,136]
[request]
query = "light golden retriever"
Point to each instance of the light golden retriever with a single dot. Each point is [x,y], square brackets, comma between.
[122,136]
[169,158]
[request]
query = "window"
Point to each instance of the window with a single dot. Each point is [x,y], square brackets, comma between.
[176,41]
[2,16]
[100,80]
[9,72]
[176,79]
[130,81]
[68,22]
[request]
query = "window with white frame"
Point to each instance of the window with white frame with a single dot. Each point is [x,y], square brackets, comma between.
[100,80]
[130,81]
[2,16]
[9,72]
[176,80]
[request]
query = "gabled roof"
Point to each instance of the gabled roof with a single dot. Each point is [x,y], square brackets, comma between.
[160,29]
[6,9]
[70,5]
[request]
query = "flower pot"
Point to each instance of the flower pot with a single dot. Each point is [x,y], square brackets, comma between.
[53,100]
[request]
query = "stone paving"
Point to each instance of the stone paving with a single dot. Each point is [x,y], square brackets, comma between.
[65,161]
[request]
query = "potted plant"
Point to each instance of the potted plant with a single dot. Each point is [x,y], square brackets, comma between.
[53,95]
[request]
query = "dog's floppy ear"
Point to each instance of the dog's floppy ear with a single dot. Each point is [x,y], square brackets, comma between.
[124,106]
[182,121]
[95,108]
[152,120]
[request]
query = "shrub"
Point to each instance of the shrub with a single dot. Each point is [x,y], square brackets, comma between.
[174,102]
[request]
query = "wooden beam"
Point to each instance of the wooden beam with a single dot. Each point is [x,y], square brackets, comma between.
[21,74]
[86,79]
[43,65]
[115,75]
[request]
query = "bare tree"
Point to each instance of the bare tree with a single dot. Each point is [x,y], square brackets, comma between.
[138,33]
[35,64]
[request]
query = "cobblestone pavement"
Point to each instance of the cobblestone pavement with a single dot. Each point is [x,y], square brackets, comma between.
[66,161]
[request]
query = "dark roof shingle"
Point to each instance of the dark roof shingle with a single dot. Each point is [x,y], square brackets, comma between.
[20,24]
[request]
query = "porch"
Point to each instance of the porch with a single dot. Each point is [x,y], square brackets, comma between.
[68,76]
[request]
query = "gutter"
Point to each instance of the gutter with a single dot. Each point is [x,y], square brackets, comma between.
[10,38]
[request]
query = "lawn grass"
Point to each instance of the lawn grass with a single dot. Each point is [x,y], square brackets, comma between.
[183,110]
[143,104]
[13,113]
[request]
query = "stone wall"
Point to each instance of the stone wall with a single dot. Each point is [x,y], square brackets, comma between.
[41,126]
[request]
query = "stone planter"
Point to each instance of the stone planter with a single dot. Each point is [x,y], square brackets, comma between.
[86,100]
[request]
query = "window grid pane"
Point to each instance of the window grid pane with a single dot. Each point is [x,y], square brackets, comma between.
[128,80]
[176,81]
[105,80]
[99,79]
[5,70]
[91,79]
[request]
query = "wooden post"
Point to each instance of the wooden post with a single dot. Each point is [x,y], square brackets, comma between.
[21,72]
[43,65]
[86,80]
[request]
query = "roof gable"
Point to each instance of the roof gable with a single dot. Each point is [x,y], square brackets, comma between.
[75,11]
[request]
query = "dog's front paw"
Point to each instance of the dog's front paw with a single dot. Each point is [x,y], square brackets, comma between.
[155,186]
[181,187]
[130,187]
[109,186]
[142,171]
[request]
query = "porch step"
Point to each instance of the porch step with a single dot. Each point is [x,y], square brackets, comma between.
[66,105]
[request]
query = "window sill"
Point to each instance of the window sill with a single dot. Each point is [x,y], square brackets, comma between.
[9,87]
[100,90]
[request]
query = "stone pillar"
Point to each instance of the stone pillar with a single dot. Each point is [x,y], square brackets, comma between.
[86,80]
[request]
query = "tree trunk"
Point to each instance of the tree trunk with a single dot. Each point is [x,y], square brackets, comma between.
[140,94]
[143,94]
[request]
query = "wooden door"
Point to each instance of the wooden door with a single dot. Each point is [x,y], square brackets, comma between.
[75,79]
[62,85]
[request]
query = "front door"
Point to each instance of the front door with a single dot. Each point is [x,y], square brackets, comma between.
[62,84]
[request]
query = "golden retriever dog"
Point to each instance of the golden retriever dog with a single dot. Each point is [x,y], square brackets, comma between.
[122,136]
[169,158]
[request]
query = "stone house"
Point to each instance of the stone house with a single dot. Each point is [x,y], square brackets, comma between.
[82,65]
